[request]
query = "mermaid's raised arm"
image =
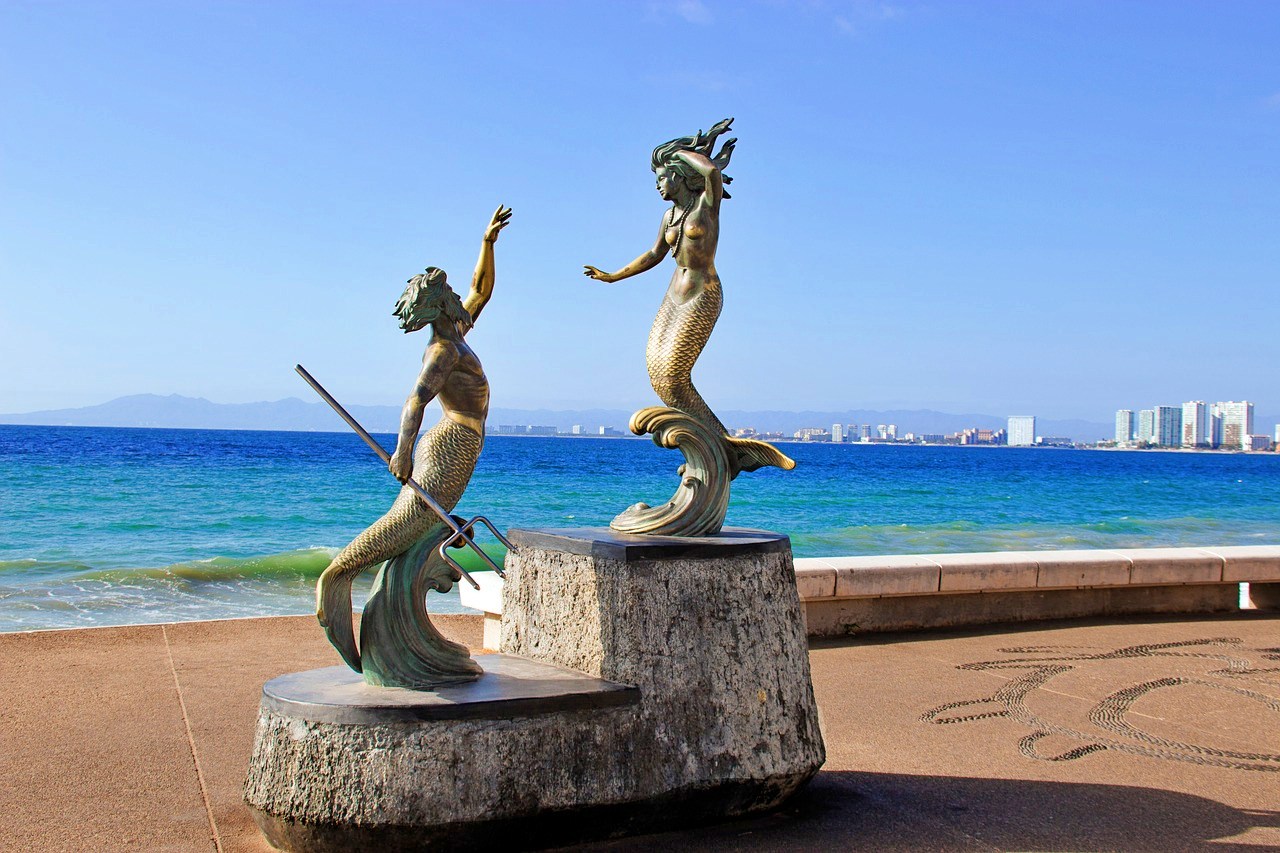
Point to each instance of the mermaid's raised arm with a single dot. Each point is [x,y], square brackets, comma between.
[482,279]
[713,190]
[645,262]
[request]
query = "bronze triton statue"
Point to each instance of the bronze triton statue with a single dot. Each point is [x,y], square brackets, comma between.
[399,647]
[693,181]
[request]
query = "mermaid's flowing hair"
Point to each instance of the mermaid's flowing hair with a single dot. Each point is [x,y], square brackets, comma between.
[427,296]
[665,156]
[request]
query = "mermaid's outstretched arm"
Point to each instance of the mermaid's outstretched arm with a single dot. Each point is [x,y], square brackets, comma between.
[482,279]
[644,263]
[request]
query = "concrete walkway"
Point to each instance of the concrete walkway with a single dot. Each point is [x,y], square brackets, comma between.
[1161,734]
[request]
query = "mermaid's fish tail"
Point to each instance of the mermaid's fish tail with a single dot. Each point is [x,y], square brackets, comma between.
[678,336]
[752,454]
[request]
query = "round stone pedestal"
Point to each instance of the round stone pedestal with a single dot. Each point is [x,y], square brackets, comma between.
[339,765]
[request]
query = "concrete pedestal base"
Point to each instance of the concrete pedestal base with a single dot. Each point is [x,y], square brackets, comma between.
[340,765]
[660,682]
[710,630]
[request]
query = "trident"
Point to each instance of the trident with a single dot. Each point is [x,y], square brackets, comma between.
[463,530]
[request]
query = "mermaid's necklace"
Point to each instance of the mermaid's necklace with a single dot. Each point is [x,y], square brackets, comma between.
[684,214]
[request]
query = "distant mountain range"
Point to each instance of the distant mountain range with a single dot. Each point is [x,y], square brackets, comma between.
[292,414]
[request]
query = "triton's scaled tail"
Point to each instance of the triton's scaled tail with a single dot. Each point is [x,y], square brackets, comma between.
[333,609]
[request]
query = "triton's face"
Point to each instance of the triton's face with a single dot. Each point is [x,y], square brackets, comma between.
[420,315]
[417,322]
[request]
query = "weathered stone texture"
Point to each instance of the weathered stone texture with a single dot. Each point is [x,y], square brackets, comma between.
[431,773]
[716,646]
[725,724]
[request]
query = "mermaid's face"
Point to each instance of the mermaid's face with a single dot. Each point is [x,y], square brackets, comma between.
[666,183]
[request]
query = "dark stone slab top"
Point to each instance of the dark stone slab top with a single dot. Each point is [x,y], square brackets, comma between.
[511,686]
[610,545]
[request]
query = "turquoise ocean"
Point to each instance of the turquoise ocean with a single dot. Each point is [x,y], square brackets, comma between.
[103,526]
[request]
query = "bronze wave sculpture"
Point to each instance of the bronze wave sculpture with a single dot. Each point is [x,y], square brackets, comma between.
[692,179]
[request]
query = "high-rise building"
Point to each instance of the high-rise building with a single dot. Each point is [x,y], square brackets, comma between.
[1168,426]
[1237,423]
[1022,430]
[891,432]
[864,432]
[1125,425]
[837,432]
[1195,424]
[1146,426]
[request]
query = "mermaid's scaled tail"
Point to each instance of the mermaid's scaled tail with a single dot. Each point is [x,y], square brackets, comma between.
[752,454]
[679,334]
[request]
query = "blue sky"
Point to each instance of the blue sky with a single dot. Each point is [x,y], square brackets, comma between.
[1051,208]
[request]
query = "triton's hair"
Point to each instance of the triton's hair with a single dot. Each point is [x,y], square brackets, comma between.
[665,155]
[427,296]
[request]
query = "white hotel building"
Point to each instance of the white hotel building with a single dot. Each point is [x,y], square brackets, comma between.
[1022,430]
[1196,424]
[1237,423]
[1126,426]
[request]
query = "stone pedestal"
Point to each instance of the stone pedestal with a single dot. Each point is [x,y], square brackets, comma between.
[710,630]
[340,765]
[648,682]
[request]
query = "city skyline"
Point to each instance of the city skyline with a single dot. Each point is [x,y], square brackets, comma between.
[1194,424]
[175,411]
[972,208]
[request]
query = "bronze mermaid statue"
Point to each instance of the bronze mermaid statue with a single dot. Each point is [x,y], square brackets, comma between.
[398,645]
[693,180]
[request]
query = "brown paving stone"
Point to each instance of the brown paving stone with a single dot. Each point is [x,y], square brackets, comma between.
[892,781]
[222,667]
[94,754]
[1172,805]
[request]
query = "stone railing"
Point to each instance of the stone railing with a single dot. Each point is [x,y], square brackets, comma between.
[855,595]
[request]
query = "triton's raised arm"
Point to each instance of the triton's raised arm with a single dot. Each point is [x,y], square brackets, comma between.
[482,280]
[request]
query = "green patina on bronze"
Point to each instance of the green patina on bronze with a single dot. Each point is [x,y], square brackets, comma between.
[399,647]
[692,179]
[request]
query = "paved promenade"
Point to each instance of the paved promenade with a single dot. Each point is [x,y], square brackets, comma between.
[1153,735]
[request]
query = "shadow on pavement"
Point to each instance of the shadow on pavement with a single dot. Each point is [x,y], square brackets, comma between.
[844,810]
